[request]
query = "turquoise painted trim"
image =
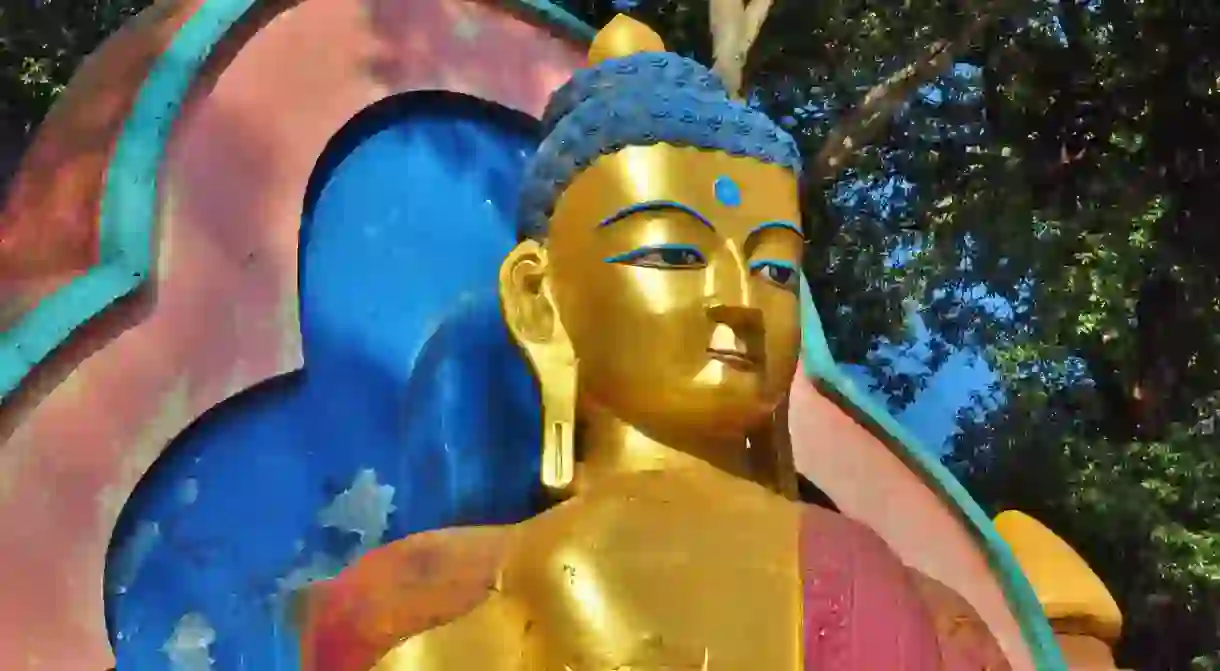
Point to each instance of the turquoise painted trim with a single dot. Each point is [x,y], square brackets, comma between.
[557,18]
[127,224]
[820,366]
[39,332]
[129,199]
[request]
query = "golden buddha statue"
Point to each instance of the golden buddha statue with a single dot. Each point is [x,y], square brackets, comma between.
[655,294]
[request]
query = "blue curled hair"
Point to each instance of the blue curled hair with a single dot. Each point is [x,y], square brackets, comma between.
[640,100]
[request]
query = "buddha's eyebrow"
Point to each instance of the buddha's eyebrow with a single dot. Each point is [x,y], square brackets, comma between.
[653,206]
[779,223]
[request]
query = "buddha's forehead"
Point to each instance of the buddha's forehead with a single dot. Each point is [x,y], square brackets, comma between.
[734,193]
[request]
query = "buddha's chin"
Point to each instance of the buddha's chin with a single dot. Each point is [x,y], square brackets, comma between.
[720,398]
[740,399]
[735,384]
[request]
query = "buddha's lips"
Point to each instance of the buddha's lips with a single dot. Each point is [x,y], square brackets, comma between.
[734,358]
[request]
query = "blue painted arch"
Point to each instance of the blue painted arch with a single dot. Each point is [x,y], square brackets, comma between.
[414,409]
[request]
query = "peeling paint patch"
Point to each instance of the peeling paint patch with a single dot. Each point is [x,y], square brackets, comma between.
[131,555]
[321,566]
[171,416]
[467,28]
[364,509]
[289,315]
[188,491]
[187,648]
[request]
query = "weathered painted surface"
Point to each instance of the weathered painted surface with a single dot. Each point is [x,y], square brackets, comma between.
[51,231]
[222,315]
[49,220]
[872,485]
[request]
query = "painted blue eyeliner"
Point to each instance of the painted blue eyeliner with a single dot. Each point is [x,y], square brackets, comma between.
[639,252]
[786,225]
[652,206]
[762,263]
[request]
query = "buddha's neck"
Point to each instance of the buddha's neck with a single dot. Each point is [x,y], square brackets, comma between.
[611,447]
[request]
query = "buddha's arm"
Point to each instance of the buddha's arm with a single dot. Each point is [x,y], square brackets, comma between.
[488,638]
[417,589]
[862,610]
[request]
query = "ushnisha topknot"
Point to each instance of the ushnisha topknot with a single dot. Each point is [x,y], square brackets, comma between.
[636,94]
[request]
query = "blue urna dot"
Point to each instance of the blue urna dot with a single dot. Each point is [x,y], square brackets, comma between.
[727,192]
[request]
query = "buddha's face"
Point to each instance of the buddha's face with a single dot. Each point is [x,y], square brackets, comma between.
[675,273]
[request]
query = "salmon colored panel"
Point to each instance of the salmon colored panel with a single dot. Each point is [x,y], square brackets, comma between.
[869,483]
[396,591]
[50,220]
[222,314]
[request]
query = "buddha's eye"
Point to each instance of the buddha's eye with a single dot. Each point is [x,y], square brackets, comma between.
[781,273]
[662,256]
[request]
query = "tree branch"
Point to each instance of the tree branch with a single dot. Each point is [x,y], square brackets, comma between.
[883,100]
[755,16]
[735,26]
[726,18]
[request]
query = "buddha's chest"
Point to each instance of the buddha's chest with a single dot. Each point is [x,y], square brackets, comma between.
[662,580]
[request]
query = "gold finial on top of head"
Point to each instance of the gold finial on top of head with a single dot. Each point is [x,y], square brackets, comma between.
[621,37]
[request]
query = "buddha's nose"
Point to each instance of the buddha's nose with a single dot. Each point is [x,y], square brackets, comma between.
[728,280]
[746,325]
[743,320]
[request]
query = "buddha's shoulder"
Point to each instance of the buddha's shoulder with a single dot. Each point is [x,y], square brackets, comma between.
[397,591]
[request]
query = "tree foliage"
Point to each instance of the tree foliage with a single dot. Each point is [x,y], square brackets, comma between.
[1108,360]
[41,44]
[1039,176]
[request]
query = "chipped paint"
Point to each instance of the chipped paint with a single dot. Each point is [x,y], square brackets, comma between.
[363,508]
[289,312]
[166,247]
[321,566]
[188,647]
[467,29]
[129,557]
[143,451]
[188,491]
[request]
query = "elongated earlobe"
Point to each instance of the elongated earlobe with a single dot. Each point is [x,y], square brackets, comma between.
[529,312]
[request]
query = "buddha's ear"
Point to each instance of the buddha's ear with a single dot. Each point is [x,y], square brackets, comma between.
[529,312]
[525,297]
